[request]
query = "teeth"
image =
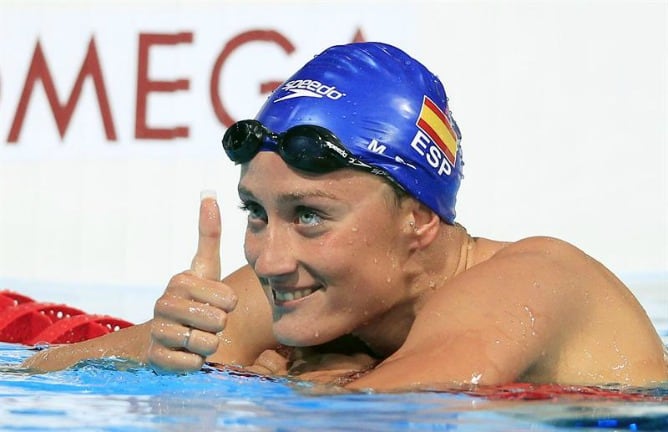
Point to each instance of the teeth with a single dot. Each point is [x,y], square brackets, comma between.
[292,295]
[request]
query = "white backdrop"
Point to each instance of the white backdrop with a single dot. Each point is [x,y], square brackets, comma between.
[562,107]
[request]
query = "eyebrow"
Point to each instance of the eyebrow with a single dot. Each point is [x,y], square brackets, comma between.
[291,196]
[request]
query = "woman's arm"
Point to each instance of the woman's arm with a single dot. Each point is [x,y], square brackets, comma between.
[246,334]
[129,343]
[198,318]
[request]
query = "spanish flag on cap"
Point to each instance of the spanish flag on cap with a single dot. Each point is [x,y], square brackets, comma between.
[435,123]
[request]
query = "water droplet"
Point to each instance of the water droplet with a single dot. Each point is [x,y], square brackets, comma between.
[532,320]
[41,346]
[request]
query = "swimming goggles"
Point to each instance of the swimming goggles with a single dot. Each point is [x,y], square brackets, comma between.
[309,148]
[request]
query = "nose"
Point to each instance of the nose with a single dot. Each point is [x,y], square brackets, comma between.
[270,253]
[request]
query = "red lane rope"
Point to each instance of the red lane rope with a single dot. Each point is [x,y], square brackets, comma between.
[25,321]
[529,391]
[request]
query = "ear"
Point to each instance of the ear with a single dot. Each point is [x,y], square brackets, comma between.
[424,225]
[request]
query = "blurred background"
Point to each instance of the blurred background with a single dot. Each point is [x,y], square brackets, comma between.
[111,115]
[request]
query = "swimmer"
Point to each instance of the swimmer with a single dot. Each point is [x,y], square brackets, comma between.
[359,274]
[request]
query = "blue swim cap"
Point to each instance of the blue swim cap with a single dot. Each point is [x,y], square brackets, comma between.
[386,108]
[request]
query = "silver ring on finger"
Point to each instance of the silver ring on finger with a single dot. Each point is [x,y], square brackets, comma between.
[186,337]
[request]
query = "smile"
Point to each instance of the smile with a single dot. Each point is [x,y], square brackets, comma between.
[293,295]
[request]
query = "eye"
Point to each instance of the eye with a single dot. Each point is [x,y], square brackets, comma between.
[308,216]
[254,210]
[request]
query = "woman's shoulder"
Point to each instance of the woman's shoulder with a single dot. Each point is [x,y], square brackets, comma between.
[539,255]
[545,246]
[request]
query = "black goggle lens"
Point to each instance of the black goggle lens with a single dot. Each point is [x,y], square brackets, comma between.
[311,148]
[306,147]
[243,140]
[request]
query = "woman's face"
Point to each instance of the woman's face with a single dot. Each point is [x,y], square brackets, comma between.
[329,249]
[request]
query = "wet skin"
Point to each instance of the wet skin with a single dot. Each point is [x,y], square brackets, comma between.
[429,305]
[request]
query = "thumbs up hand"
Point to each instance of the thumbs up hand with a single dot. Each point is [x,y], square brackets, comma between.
[194,307]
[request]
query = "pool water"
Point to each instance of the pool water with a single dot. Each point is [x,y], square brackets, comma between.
[108,395]
[115,396]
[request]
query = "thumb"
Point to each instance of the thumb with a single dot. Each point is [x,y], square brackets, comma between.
[206,263]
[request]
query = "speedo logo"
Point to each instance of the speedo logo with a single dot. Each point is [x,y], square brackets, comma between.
[309,88]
